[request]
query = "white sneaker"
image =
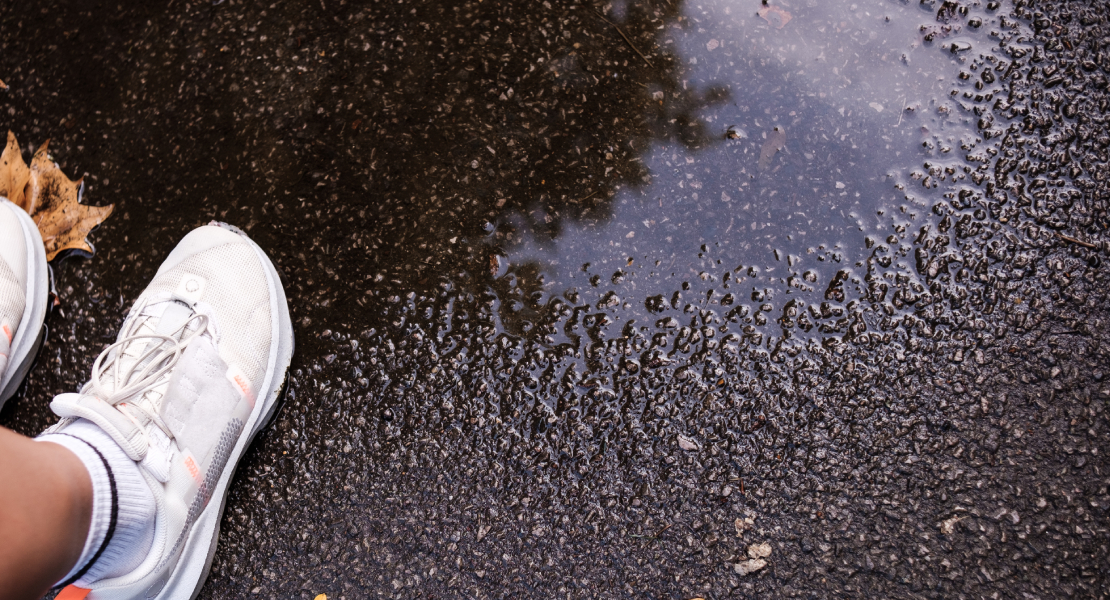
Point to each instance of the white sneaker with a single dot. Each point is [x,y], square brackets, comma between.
[24,291]
[193,376]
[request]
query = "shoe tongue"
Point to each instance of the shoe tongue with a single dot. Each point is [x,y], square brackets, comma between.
[174,316]
[164,318]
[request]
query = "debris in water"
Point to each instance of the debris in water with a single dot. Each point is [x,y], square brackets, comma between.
[775,16]
[776,140]
[626,39]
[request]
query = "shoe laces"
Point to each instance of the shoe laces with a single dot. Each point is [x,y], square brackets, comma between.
[123,380]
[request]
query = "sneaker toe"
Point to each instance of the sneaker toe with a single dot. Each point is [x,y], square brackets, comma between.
[236,285]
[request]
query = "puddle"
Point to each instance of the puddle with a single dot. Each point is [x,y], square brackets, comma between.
[783,142]
[708,247]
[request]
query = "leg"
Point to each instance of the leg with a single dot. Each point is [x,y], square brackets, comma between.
[46,501]
[169,410]
[46,496]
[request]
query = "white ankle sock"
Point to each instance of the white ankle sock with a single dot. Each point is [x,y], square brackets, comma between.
[122,527]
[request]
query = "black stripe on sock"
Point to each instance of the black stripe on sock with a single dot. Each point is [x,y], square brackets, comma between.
[111,523]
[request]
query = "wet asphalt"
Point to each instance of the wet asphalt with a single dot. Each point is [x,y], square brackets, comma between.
[611,300]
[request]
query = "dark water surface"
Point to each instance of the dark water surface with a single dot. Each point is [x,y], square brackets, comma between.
[576,286]
[858,99]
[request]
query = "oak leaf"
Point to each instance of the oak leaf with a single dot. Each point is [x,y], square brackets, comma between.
[51,198]
[14,173]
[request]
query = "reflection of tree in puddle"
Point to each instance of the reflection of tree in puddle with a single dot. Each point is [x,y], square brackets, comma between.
[751,194]
[484,126]
[485,110]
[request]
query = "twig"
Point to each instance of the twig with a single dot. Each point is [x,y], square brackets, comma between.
[626,39]
[651,538]
[1075,241]
[901,114]
[587,197]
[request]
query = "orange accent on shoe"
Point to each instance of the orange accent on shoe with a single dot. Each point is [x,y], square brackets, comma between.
[239,379]
[7,332]
[72,592]
[191,465]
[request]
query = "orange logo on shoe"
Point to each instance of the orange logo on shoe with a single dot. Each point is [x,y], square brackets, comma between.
[244,387]
[191,465]
[239,379]
[7,332]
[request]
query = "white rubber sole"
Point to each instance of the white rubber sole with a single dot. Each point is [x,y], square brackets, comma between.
[187,578]
[28,338]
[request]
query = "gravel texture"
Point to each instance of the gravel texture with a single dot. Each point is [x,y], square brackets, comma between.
[621,300]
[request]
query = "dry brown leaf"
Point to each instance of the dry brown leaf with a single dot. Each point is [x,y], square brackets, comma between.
[3,86]
[14,173]
[775,16]
[51,198]
[63,221]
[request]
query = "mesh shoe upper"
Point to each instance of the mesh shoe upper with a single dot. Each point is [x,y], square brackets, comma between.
[13,269]
[181,388]
[20,304]
[235,287]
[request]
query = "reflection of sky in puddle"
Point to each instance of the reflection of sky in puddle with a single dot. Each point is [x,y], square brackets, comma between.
[856,91]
